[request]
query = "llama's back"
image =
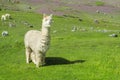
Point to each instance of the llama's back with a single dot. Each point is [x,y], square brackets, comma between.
[32,38]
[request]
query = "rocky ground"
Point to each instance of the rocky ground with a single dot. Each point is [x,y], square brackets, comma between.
[73,6]
[61,7]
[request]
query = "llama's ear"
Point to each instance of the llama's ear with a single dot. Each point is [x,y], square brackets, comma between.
[44,15]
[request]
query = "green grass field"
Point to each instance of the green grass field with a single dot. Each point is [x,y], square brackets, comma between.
[86,54]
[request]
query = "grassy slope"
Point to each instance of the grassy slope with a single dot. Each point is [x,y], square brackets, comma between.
[80,55]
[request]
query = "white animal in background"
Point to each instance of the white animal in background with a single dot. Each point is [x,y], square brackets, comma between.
[74,28]
[12,24]
[8,16]
[5,33]
[37,42]
[3,18]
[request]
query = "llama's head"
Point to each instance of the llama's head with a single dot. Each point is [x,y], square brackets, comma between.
[46,22]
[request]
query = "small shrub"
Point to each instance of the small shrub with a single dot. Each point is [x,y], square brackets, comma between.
[99,3]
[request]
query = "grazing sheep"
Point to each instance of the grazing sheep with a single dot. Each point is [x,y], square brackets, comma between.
[74,28]
[113,35]
[8,16]
[97,11]
[27,24]
[3,18]
[11,24]
[5,33]
[37,42]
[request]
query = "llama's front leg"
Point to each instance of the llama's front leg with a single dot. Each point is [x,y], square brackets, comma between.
[39,58]
[28,52]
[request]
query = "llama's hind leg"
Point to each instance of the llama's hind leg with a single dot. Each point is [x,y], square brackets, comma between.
[28,53]
[43,59]
[33,57]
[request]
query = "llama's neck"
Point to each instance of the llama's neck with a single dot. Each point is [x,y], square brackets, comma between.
[45,31]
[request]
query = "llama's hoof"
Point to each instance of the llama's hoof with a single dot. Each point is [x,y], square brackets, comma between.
[39,65]
[27,62]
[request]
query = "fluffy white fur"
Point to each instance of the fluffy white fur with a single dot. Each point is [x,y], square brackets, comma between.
[5,33]
[37,42]
[5,17]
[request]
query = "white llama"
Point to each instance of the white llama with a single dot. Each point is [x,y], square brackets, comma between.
[37,42]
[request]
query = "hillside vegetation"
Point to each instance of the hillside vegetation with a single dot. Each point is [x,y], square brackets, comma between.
[61,7]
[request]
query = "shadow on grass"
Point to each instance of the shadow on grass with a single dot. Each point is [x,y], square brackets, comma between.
[60,61]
